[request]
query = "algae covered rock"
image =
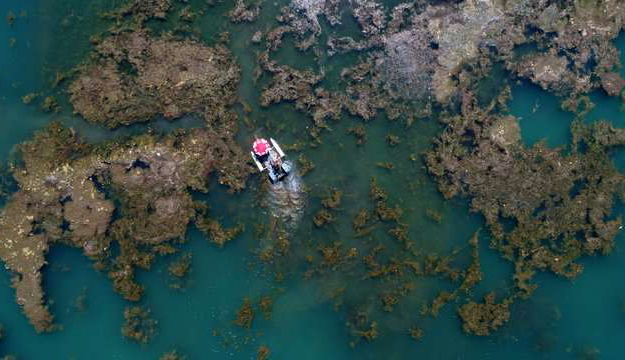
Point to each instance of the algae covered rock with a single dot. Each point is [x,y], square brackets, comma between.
[68,191]
[133,77]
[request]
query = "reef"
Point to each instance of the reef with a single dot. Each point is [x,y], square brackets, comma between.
[133,77]
[544,209]
[133,193]
[417,54]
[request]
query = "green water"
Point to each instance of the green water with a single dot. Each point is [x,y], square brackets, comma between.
[562,320]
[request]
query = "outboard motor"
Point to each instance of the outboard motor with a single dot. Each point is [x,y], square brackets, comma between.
[268,156]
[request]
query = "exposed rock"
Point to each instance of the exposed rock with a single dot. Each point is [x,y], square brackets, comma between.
[458,31]
[612,83]
[370,17]
[257,37]
[409,63]
[546,70]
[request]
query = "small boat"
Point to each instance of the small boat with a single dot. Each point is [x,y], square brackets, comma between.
[268,156]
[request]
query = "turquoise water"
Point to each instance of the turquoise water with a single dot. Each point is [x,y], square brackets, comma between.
[562,320]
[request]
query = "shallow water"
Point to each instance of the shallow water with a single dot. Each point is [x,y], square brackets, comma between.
[562,320]
[285,200]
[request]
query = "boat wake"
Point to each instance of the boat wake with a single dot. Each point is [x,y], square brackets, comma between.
[286,199]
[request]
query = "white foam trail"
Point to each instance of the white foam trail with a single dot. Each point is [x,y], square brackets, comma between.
[286,199]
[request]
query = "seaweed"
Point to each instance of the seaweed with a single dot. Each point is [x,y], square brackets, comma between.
[473,274]
[245,315]
[415,333]
[68,191]
[359,132]
[10,18]
[263,353]
[28,98]
[306,165]
[369,334]
[323,217]
[393,140]
[172,355]
[139,324]
[434,215]
[50,105]
[182,266]
[386,165]
[80,303]
[558,203]
[482,318]
[216,233]
[333,200]
[266,306]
